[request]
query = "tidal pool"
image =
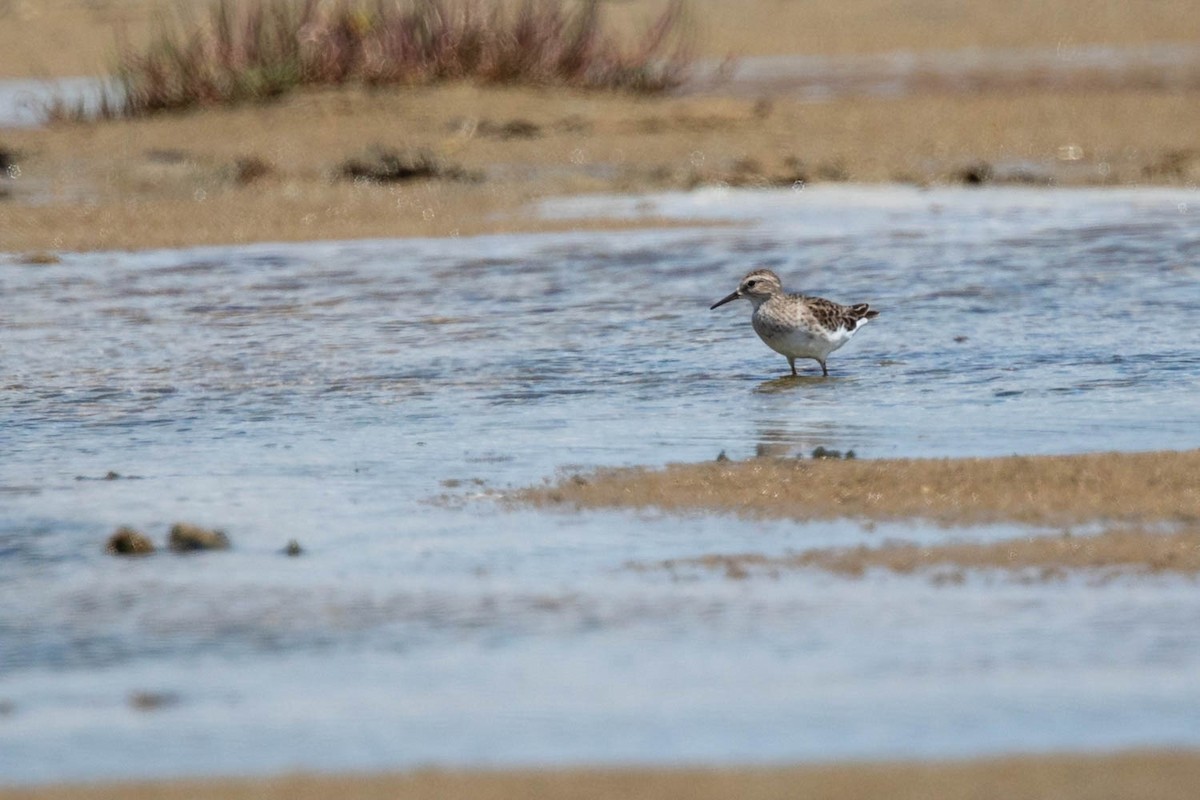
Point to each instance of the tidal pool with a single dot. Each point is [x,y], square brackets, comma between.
[334,392]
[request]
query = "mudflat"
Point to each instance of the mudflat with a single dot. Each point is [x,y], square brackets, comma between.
[1147,503]
[281,172]
[1037,490]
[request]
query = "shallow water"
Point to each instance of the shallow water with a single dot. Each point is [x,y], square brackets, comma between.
[23,101]
[327,391]
[1169,66]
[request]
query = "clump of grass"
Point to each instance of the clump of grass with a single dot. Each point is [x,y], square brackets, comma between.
[254,50]
[390,166]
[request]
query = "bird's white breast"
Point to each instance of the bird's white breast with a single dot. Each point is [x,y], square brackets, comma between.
[798,340]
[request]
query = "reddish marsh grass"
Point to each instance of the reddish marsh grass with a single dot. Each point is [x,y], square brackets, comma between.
[255,50]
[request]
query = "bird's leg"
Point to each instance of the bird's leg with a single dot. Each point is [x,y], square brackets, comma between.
[824,369]
[792,364]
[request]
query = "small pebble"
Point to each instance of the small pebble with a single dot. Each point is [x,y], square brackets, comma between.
[41,258]
[293,549]
[152,701]
[186,537]
[127,541]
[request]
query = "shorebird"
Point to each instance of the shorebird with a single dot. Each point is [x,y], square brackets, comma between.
[796,325]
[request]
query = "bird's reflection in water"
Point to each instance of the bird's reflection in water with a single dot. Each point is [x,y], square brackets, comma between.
[778,442]
[786,383]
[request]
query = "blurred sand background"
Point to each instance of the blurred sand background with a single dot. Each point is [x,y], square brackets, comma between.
[1126,776]
[272,173]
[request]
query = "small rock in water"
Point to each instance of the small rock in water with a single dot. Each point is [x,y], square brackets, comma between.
[823,452]
[152,701]
[722,457]
[186,537]
[111,475]
[129,542]
[40,258]
[293,548]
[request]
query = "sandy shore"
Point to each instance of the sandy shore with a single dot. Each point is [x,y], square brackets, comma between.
[1114,552]
[278,173]
[1125,490]
[1160,775]
[1036,490]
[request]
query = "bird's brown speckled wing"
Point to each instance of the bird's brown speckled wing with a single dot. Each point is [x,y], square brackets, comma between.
[833,316]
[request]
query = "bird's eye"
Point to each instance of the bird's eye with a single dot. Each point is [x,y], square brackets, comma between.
[750,283]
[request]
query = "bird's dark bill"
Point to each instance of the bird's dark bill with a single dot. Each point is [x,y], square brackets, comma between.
[733,296]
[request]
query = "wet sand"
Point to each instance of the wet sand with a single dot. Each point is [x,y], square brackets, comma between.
[1035,490]
[1049,491]
[1161,775]
[1114,552]
[274,173]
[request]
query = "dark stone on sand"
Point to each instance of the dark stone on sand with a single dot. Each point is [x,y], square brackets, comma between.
[248,169]
[40,258]
[293,549]
[513,129]
[391,166]
[127,541]
[976,174]
[186,537]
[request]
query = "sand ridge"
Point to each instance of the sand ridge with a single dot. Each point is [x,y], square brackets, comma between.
[1147,503]
[1112,552]
[1162,775]
[1037,490]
